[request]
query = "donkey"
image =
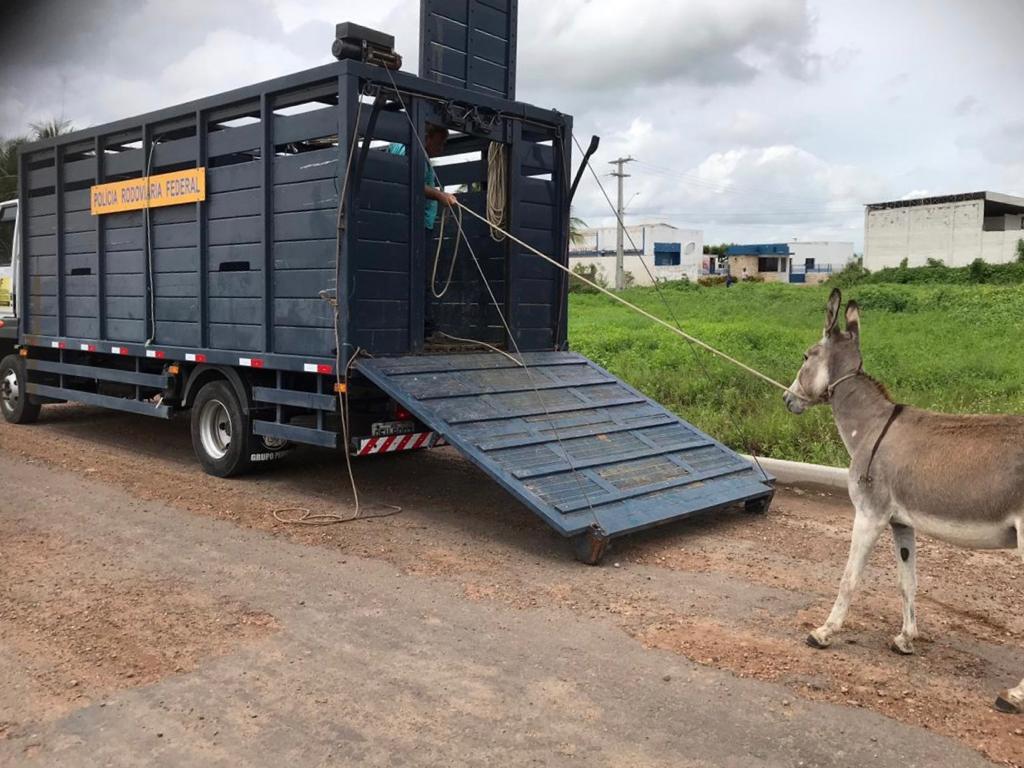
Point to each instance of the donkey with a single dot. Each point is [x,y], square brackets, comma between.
[956,478]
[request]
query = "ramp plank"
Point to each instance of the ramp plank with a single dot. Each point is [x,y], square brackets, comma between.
[573,443]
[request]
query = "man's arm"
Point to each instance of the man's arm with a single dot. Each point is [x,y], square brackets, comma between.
[446,198]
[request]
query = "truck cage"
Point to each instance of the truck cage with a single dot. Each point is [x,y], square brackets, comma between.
[240,279]
[281,295]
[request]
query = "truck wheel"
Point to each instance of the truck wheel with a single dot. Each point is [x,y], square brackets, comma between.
[220,431]
[14,401]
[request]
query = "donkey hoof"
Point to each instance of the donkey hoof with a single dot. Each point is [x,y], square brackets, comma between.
[902,646]
[1003,704]
[816,642]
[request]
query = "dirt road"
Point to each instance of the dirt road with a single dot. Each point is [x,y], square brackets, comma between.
[152,615]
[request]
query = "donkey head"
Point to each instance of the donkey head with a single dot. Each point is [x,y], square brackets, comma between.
[836,356]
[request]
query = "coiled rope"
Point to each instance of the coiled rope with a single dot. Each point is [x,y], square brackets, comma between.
[497,189]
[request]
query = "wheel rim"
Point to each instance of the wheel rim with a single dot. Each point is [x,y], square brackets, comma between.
[215,429]
[274,443]
[10,391]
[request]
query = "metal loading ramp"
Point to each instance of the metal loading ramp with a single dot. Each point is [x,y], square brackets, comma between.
[585,451]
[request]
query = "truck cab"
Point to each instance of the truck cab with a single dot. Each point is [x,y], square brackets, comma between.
[8,275]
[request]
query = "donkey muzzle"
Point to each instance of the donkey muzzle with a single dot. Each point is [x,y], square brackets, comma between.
[793,403]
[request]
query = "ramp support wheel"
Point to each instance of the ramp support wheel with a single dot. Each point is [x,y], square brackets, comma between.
[592,546]
[758,506]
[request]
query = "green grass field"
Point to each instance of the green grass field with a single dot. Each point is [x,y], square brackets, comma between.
[954,348]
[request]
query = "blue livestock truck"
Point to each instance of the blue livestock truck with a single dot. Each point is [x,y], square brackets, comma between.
[261,260]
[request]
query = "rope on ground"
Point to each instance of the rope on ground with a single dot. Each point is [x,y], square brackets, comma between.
[634,307]
[306,517]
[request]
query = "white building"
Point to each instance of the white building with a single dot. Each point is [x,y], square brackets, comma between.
[799,262]
[956,229]
[819,257]
[669,253]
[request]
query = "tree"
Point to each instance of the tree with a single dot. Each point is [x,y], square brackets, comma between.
[9,152]
[47,129]
[716,250]
[9,167]
[576,227]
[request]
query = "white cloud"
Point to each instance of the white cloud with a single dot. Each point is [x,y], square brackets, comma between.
[597,46]
[752,117]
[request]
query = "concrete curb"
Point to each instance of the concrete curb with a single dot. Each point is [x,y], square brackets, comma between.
[796,472]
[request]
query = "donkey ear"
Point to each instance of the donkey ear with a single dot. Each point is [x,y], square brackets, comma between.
[853,319]
[832,310]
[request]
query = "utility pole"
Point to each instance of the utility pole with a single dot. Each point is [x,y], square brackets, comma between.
[620,276]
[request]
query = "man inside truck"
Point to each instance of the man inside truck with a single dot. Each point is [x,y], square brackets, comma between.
[434,143]
[436,138]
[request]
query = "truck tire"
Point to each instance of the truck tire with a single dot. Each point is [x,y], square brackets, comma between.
[221,431]
[15,404]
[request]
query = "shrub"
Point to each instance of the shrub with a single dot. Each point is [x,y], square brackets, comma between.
[591,272]
[852,274]
[710,280]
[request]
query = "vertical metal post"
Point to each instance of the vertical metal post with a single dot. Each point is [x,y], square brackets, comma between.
[58,189]
[620,277]
[417,232]
[514,254]
[22,307]
[147,245]
[202,237]
[267,208]
[348,94]
[100,260]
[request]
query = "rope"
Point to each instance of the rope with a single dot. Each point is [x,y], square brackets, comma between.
[148,230]
[634,307]
[497,189]
[437,254]
[306,517]
[697,358]
[501,315]
[484,344]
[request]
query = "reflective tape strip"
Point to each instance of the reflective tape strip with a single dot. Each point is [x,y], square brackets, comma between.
[157,353]
[191,357]
[317,368]
[250,362]
[118,351]
[55,344]
[410,442]
[87,347]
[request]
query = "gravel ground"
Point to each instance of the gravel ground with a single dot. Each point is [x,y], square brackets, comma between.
[141,597]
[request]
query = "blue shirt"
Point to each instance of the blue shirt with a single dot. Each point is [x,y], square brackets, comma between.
[430,209]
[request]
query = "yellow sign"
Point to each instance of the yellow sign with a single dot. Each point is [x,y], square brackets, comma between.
[5,291]
[149,192]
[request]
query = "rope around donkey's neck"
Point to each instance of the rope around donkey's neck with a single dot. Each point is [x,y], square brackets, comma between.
[634,307]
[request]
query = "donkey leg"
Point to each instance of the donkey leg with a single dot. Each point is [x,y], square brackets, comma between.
[867,528]
[906,564]
[1012,701]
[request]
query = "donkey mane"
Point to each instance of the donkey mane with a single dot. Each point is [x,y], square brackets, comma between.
[882,389]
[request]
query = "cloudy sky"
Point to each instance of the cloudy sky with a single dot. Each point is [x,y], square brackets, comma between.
[750,119]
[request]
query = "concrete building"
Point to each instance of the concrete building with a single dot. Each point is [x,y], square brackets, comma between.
[798,262]
[956,229]
[670,253]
